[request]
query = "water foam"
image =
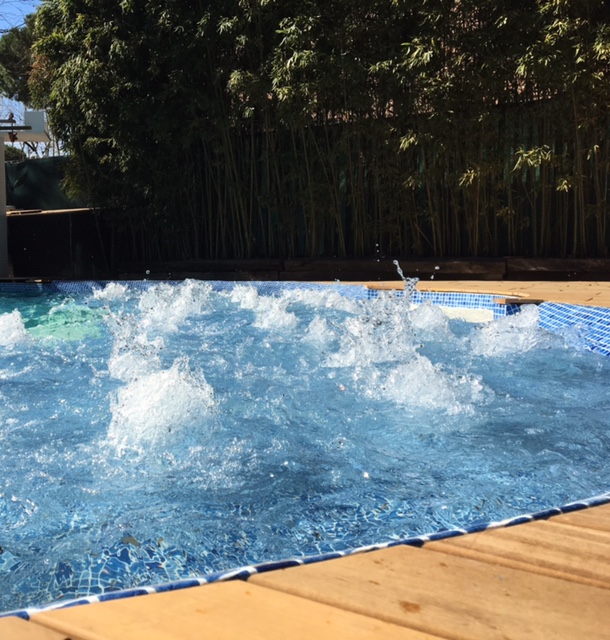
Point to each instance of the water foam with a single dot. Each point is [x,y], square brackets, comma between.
[517,333]
[271,313]
[111,292]
[165,307]
[429,319]
[156,400]
[158,405]
[298,423]
[422,384]
[12,329]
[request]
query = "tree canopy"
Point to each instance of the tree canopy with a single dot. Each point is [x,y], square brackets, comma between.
[16,61]
[266,127]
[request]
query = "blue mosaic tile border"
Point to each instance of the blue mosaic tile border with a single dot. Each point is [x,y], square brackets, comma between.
[263,287]
[445,299]
[590,324]
[243,573]
[466,301]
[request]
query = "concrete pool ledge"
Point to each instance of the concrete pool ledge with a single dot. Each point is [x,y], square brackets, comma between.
[546,578]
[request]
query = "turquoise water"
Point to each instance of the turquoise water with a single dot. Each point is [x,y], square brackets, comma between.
[148,436]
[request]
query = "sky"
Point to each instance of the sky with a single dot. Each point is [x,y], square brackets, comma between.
[13,12]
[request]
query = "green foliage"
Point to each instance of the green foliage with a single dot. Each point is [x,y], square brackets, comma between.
[13,154]
[15,61]
[246,128]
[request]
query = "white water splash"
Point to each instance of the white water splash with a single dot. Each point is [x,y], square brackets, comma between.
[422,384]
[379,333]
[166,307]
[429,319]
[318,332]
[12,329]
[159,404]
[156,402]
[517,333]
[271,312]
[111,292]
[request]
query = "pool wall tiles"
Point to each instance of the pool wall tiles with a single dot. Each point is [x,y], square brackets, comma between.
[243,573]
[592,326]
[445,299]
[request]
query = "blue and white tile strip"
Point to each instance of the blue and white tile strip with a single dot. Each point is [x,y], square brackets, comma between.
[243,573]
[591,324]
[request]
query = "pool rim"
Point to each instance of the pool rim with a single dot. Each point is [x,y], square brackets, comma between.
[591,323]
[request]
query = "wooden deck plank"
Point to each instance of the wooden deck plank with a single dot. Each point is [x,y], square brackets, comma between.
[451,596]
[13,628]
[597,518]
[224,610]
[551,547]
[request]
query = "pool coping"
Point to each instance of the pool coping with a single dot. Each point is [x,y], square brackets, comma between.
[589,326]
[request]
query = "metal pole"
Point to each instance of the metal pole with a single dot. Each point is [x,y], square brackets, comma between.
[3,233]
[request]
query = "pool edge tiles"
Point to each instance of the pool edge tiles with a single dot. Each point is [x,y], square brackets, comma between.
[357,291]
[246,571]
[591,323]
[456,300]
[263,287]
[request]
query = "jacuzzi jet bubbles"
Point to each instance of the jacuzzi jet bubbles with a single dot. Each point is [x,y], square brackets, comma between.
[165,308]
[270,312]
[159,405]
[517,333]
[242,424]
[12,329]
[421,384]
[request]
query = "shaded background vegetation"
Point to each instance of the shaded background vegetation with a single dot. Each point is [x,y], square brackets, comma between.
[268,128]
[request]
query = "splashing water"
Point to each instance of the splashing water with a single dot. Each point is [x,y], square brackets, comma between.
[153,435]
[409,283]
[12,329]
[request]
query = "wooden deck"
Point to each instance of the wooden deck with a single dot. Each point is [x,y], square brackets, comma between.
[545,580]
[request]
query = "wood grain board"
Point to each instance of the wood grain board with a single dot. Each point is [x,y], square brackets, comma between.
[547,580]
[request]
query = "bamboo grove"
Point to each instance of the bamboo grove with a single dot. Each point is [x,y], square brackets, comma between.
[277,128]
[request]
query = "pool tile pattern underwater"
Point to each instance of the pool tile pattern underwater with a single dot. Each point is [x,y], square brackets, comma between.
[591,326]
[591,323]
[245,572]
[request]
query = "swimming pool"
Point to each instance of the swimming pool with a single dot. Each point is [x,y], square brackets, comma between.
[167,433]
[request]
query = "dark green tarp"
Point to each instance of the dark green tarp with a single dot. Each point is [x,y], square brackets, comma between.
[37,184]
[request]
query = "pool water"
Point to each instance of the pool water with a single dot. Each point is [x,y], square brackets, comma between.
[149,435]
